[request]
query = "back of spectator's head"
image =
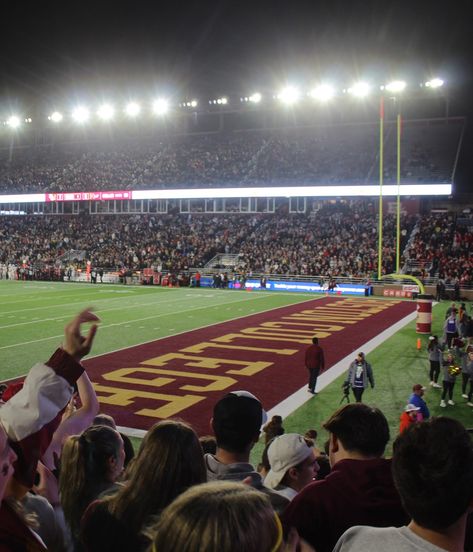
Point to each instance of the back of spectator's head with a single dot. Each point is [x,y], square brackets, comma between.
[208,444]
[433,472]
[237,420]
[219,516]
[104,420]
[169,461]
[311,434]
[360,428]
[276,419]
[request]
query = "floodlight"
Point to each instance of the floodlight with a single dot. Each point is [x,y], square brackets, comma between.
[55,117]
[359,89]
[396,86]
[80,114]
[13,121]
[323,93]
[160,106]
[132,109]
[289,95]
[223,101]
[194,103]
[255,98]
[106,112]
[434,83]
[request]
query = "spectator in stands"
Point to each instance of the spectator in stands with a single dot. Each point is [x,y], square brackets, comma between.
[169,461]
[293,464]
[237,420]
[359,489]
[219,516]
[359,374]
[47,389]
[433,472]
[91,463]
[273,428]
[416,399]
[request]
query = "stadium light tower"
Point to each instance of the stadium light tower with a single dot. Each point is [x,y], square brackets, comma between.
[80,114]
[56,117]
[13,121]
[132,109]
[360,89]
[323,93]
[289,95]
[160,106]
[106,112]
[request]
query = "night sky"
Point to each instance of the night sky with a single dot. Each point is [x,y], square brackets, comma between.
[51,53]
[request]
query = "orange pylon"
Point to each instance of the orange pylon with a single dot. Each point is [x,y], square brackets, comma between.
[419,344]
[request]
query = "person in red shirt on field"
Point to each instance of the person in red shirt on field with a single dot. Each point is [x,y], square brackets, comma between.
[314,362]
[411,415]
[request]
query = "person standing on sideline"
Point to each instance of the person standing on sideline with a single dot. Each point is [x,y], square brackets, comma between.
[359,374]
[314,362]
[411,415]
[450,328]
[435,357]
[450,372]
[417,400]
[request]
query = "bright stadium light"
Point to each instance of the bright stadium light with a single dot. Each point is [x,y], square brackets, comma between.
[359,89]
[80,114]
[289,95]
[160,106]
[323,92]
[396,86]
[106,112]
[56,117]
[13,121]
[434,83]
[132,109]
[255,98]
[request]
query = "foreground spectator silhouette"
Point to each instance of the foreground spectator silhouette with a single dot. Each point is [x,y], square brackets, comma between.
[358,491]
[28,421]
[433,472]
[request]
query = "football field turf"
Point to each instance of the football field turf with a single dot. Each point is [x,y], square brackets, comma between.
[33,315]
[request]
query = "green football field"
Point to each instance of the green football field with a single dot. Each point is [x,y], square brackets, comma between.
[33,315]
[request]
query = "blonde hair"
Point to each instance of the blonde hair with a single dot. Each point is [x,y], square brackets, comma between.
[218,517]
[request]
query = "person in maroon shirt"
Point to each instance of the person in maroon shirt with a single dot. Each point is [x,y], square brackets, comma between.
[314,362]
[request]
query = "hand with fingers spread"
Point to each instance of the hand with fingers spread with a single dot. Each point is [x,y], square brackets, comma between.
[74,342]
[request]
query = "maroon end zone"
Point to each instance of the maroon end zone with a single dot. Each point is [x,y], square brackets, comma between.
[183,376]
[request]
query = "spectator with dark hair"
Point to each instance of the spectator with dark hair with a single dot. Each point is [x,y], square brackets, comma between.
[359,374]
[273,428]
[236,422]
[208,444]
[358,491]
[433,471]
[169,461]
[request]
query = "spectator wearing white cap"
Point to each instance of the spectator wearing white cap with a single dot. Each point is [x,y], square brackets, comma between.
[293,464]
[411,415]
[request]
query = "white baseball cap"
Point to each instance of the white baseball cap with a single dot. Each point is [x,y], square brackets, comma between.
[285,452]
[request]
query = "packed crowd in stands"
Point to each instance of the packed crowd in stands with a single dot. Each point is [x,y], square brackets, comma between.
[338,240]
[443,248]
[318,155]
[69,481]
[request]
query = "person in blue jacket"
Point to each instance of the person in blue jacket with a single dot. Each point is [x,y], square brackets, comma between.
[417,400]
